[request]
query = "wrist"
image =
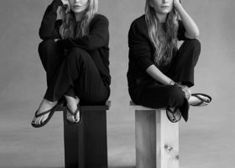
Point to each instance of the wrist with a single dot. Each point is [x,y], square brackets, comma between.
[171,83]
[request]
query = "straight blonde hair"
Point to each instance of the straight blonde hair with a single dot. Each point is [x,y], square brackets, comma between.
[163,39]
[72,29]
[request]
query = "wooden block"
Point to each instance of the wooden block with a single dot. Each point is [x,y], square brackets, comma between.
[145,130]
[86,142]
[167,135]
[157,139]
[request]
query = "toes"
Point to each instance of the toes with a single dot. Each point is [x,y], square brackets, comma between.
[206,99]
[43,118]
[69,117]
[172,117]
[73,118]
[77,117]
[174,114]
[34,120]
[199,99]
[39,120]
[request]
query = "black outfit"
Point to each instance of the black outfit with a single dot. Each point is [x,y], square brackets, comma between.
[75,67]
[146,91]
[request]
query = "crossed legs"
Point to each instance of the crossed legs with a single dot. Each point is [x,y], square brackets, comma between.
[76,77]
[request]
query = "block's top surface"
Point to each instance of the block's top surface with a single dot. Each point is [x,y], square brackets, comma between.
[140,107]
[96,107]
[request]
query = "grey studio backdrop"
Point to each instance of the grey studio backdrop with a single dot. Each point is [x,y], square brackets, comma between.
[206,141]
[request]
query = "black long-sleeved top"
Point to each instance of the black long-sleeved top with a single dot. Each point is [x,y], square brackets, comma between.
[141,51]
[96,43]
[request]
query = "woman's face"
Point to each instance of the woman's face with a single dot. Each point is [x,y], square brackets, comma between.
[162,6]
[78,6]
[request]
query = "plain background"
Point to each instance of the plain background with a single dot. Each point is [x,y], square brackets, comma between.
[206,141]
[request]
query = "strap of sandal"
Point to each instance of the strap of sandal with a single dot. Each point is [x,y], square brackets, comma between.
[74,113]
[173,117]
[45,112]
[205,95]
[197,95]
[172,112]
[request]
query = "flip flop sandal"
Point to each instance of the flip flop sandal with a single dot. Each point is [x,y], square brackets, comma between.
[41,124]
[173,115]
[202,102]
[74,114]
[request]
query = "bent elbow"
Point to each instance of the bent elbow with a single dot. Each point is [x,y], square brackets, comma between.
[192,35]
[197,34]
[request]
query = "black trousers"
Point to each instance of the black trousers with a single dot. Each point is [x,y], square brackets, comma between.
[72,74]
[153,94]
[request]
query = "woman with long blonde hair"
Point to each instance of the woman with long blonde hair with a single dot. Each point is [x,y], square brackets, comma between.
[75,55]
[160,74]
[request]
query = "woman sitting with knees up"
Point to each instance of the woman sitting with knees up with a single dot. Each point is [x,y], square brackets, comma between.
[75,55]
[160,74]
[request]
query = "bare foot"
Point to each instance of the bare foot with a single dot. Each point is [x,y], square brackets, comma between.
[45,105]
[72,105]
[173,114]
[199,99]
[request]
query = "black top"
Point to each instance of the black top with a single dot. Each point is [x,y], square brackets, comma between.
[96,43]
[141,51]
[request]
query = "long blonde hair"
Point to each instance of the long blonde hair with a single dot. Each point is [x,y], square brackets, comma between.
[164,41]
[72,29]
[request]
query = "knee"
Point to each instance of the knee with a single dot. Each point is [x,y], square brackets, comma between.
[190,51]
[46,45]
[176,96]
[77,54]
[194,44]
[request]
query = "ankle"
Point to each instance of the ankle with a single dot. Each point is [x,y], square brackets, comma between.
[71,99]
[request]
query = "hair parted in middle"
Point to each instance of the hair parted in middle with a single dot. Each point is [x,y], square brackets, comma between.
[72,29]
[164,41]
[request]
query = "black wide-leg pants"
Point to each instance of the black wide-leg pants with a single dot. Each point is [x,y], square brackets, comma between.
[73,74]
[181,70]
